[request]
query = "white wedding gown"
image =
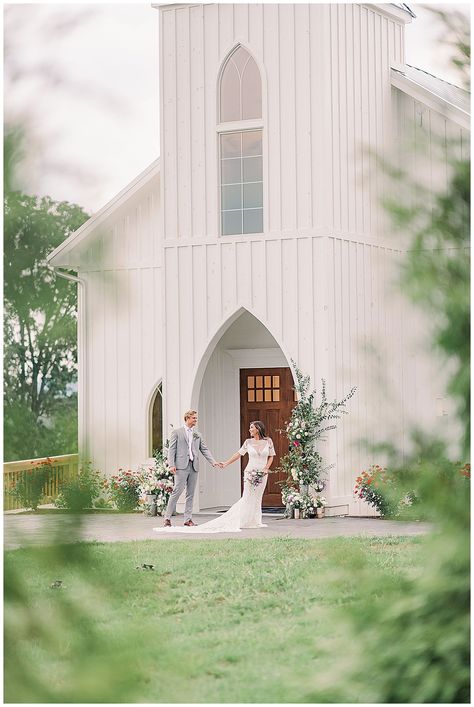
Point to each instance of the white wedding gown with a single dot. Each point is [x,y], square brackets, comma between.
[247,511]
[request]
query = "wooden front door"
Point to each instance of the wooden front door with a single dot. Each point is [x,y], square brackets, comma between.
[267,394]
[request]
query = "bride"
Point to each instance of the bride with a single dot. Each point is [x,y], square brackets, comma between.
[247,512]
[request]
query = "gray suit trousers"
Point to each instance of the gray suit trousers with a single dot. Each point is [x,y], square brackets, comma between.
[183,478]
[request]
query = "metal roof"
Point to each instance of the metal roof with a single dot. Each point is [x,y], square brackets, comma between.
[403,6]
[445,90]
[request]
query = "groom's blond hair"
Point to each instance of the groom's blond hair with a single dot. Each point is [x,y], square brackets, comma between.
[189,413]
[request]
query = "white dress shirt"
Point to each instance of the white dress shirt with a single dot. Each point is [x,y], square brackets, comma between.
[189,433]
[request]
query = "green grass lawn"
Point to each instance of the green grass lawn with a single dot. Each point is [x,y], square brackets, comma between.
[215,621]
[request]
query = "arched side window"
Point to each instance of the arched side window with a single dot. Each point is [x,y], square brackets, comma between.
[157,421]
[240,145]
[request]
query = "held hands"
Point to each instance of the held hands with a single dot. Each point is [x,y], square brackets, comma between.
[173,469]
[221,465]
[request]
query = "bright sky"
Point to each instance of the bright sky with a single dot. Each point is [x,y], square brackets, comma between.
[85,79]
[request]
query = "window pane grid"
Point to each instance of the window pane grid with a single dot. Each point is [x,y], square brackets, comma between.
[263,389]
[241,182]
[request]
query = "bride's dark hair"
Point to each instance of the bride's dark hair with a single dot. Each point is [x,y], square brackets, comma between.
[260,428]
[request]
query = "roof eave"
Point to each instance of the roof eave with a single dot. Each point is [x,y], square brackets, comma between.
[430,99]
[391,11]
[104,213]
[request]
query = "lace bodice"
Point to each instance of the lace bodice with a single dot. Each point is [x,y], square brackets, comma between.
[258,451]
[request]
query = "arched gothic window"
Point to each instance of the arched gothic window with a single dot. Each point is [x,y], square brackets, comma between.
[240,138]
[157,421]
[241,88]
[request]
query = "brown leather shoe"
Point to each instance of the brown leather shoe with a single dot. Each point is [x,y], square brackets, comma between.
[189,523]
[167,523]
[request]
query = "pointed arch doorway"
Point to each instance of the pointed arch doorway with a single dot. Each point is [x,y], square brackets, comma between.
[267,394]
[244,344]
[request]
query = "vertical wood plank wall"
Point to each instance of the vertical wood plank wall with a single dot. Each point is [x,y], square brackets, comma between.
[124,361]
[162,283]
[326,99]
[317,183]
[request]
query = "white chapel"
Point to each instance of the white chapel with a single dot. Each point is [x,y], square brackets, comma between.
[258,237]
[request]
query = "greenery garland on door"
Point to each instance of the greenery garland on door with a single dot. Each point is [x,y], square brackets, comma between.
[308,422]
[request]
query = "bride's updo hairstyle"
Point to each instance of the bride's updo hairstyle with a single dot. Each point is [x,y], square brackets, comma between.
[260,428]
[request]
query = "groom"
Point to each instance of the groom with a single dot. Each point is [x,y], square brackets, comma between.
[183,461]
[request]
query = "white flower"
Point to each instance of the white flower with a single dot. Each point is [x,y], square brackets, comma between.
[298,436]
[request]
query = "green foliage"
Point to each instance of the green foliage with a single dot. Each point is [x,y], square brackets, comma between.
[79,493]
[102,503]
[30,484]
[40,355]
[308,422]
[413,638]
[420,629]
[371,487]
[26,436]
[124,489]
[436,273]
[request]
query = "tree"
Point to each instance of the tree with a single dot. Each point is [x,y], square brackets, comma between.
[412,635]
[40,417]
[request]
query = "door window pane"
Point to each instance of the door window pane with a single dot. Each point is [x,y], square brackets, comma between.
[231,222]
[253,221]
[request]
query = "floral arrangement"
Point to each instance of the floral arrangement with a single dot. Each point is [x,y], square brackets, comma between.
[466,471]
[255,476]
[157,480]
[124,489]
[306,503]
[369,488]
[303,464]
[290,497]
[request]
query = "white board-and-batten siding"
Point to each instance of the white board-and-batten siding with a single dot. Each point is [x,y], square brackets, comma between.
[326,99]
[164,290]
[326,96]
[122,361]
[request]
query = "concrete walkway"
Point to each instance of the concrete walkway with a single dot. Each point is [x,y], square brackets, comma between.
[22,529]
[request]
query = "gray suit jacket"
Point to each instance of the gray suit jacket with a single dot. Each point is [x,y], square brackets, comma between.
[178,452]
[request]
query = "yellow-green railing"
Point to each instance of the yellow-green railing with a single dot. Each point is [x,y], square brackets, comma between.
[64,467]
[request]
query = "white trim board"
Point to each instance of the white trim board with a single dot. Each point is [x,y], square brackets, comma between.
[430,99]
[258,358]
